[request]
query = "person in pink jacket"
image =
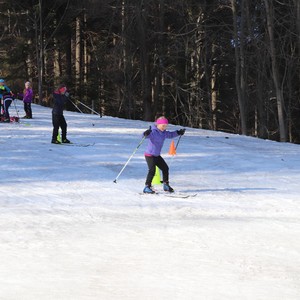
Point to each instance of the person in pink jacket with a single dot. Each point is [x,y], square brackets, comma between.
[27,99]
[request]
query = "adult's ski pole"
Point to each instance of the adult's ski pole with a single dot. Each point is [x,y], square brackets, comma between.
[140,143]
[75,106]
[90,109]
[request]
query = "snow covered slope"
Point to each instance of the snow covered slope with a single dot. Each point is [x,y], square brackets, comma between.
[68,232]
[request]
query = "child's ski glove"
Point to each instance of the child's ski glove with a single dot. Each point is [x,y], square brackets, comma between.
[181,131]
[147,132]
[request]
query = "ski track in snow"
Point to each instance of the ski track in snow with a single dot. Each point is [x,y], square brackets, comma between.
[68,232]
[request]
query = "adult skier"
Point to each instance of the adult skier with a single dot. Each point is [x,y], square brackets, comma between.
[61,96]
[6,97]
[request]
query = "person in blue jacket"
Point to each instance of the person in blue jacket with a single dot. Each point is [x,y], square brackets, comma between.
[156,136]
[6,97]
[61,96]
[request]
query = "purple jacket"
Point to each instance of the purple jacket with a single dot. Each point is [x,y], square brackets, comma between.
[27,98]
[156,140]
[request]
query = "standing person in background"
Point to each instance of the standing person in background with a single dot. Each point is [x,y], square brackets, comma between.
[6,97]
[58,120]
[27,99]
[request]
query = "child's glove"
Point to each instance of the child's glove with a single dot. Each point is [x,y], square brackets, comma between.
[147,132]
[181,131]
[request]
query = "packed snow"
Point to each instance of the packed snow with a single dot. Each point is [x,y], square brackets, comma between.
[68,232]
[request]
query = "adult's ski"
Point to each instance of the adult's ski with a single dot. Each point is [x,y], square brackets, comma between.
[171,195]
[75,144]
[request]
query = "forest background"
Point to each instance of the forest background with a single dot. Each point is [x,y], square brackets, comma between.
[228,65]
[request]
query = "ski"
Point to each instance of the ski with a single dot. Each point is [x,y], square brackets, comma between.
[76,144]
[10,120]
[171,195]
[178,195]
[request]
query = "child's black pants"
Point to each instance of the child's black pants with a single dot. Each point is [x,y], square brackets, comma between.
[152,162]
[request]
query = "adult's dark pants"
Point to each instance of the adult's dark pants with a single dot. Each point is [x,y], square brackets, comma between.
[152,162]
[6,104]
[59,121]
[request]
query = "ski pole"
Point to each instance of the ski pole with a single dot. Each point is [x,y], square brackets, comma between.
[180,138]
[175,149]
[75,105]
[178,142]
[140,143]
[90,109]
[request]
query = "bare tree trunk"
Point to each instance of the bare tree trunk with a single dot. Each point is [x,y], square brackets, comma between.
[158,95]
[213,98]
[297,5]
[78,55]
[197,69]
[239,65]
[56,65]
[85,57]
[29,60]
[126,64]
[144,63]
[40,54]
[276,80]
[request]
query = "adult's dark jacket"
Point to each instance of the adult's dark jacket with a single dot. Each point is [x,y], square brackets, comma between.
[59,103]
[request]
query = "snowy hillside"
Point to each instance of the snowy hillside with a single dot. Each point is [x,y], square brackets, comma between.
[68,232]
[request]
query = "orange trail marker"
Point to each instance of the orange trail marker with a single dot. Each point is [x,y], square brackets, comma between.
[172,150]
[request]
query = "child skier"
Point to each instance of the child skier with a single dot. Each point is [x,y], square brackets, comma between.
[157,135]
[58,120]
[27,99]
